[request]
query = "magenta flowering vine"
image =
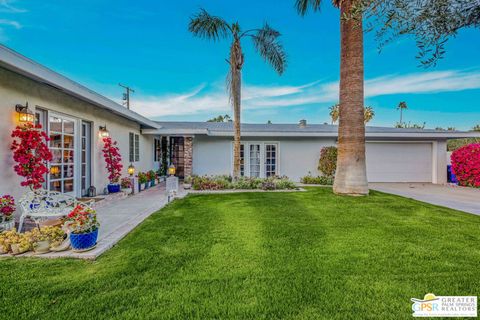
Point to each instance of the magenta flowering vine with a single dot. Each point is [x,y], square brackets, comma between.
[466,165]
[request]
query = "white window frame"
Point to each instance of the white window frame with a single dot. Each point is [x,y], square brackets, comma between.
[76,151]
[262,157]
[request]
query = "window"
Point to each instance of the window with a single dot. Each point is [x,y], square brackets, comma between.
[157,150]
[62,144]
[134,147]
[270,160]
[255,160]
[242,160]
[137,147]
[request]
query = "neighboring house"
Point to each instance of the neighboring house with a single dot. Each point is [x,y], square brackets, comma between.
[72,115]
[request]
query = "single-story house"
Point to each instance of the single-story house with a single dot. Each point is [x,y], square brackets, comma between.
[73,117]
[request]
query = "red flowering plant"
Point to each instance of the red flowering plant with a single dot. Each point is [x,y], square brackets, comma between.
[31,152]
[7,208]
[466,165]
[82,219]
[113,159]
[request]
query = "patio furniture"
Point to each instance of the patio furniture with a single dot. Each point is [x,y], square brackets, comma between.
[39,205]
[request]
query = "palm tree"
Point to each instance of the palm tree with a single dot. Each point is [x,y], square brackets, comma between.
[368,114]
[265,41]
[402,106]
[351,173]
[335,113]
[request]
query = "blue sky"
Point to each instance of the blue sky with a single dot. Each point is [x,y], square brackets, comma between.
[146,45]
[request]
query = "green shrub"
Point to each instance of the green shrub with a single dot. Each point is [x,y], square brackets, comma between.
[242,183]
[321,180]
[328,161]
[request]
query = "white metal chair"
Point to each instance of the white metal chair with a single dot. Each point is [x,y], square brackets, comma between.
[42,204]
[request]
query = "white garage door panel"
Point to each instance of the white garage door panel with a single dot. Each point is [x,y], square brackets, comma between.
[399,162]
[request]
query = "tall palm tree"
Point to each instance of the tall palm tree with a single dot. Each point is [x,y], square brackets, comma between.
[265,41]
[335,113]
[368,114]
[351,173]
[402,106]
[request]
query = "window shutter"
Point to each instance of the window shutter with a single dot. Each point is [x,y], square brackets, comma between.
[131,150]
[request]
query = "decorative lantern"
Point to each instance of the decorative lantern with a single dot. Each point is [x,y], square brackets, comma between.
[172,170]
[24,113]
[131,170]
[104,132]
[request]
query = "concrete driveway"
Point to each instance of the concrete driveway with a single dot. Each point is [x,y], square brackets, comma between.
[459,198]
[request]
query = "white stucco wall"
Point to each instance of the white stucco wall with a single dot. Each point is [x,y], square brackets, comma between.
[299,156]
[15,89]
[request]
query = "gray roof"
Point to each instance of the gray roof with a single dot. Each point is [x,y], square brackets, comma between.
[20,64]
[294,130]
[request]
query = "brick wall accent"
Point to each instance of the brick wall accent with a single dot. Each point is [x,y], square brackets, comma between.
[188,156]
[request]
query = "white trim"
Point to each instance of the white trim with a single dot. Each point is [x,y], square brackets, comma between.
[246,156]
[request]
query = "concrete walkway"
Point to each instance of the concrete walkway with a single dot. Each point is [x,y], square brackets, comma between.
[454,197]
[117,218]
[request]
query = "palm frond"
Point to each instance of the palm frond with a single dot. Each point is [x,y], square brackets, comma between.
[267,44]
[302,6]
[206,26]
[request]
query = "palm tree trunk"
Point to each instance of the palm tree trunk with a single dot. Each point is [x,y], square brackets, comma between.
[236,63]
[351,173]
[401,115]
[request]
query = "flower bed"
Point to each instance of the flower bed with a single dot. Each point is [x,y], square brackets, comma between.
[243,183]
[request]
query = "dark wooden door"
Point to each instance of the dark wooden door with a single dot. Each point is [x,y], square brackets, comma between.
[177,154]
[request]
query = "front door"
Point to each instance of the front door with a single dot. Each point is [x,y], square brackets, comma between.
[177,155]
[62,131]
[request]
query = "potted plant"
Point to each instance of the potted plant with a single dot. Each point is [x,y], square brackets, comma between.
[31,154]
[43,238]
[152,175]
[142,181]
[7,208]
[126,185]
[19,242]
[82,226]
[113,159]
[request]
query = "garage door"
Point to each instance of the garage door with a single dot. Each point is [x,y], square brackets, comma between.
[399,162]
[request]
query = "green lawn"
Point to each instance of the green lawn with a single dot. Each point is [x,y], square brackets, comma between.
[303,255]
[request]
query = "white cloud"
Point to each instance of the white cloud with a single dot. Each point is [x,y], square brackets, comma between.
[214,99]
[10,23]
[7,6]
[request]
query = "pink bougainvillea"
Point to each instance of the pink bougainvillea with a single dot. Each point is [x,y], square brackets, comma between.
[466,165]
[113,159]
[31,153]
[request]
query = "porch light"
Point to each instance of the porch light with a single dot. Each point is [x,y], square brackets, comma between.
[172,170]
[131,170]
[104,132]
[24,114]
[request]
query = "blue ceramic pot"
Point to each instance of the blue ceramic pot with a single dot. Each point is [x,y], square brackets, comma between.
[113,188]
[83,241]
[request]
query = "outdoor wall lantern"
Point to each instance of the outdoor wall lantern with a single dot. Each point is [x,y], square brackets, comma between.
[172,170]
[104,132]
[24,114]
[131,170]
